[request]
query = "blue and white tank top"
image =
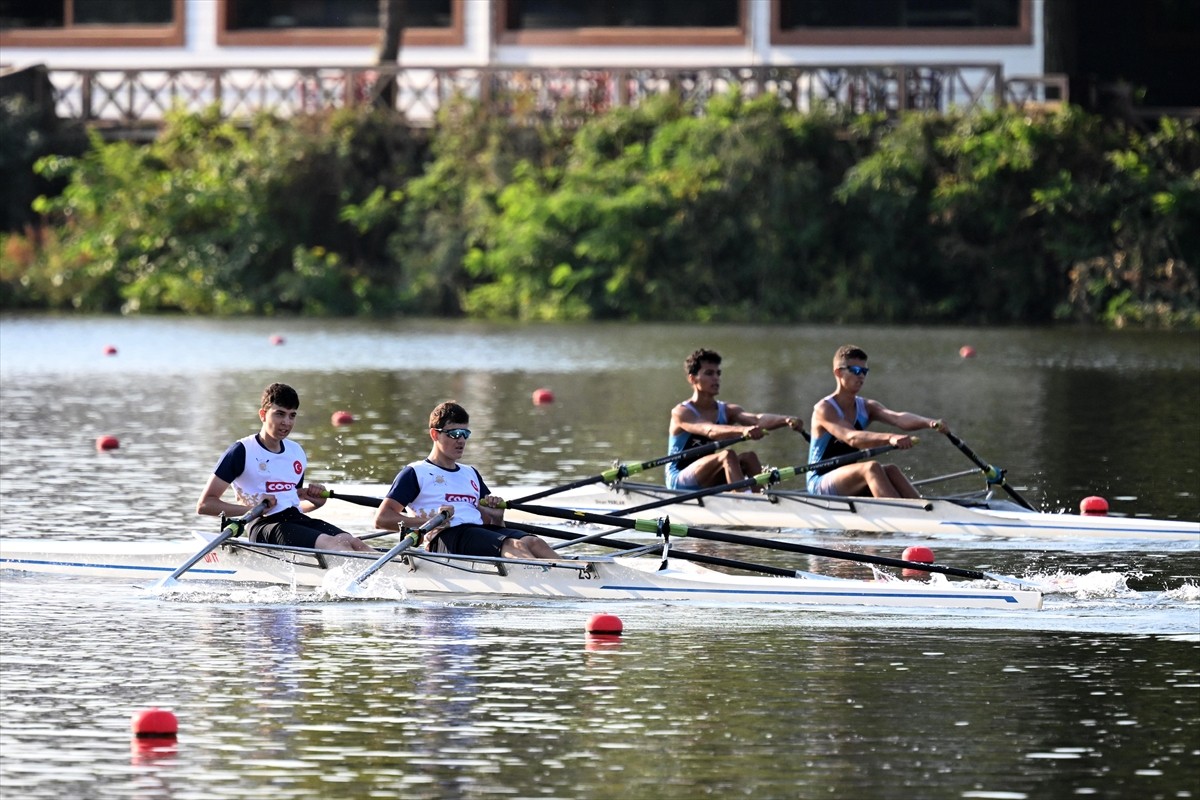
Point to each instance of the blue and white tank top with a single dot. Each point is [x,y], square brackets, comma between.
[685,441]
[826,446]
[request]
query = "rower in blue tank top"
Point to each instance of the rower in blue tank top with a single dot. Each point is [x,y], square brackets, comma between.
[833,435]
[703,418]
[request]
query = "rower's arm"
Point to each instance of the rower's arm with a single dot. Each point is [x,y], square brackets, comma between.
[210,502]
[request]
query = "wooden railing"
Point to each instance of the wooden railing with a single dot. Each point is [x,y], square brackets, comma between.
[138,97]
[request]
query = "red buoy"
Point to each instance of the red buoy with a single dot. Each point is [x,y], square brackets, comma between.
[341,418]
[109,350]
[919,554]
[605,625]
[155,722]
[966,351]
[107,443]
[277,339]
[542,397]
[1093,506]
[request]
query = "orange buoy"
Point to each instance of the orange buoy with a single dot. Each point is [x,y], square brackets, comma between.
[109,350]
[919,554]
[1093,506]
[605,625]
[341,418]
[107,443]
[277,339]
[542,397]
[966,351]
[155,722]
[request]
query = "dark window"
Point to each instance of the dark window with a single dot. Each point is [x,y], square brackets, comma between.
[794,14]
[123,12]
[281,14]
[31,14]
[34,14]
[531,15]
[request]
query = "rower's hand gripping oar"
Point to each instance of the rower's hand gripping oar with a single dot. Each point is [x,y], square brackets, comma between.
[991,473]
[764,478]
[233,527]
[623,471]
[412,538]
[673,529]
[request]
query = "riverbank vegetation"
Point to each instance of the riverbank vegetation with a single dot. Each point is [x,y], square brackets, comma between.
[738,211]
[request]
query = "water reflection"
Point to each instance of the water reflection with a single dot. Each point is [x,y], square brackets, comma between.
[293,696]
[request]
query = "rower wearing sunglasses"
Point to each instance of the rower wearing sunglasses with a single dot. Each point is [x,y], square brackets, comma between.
[439,483]
[839,424]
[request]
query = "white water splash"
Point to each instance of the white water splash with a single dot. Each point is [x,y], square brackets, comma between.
[1187,593]
[340,583]
[1091,586]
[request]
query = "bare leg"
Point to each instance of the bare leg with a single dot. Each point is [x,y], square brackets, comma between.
[900,482]
[343,541]
[852,479]
[527,547]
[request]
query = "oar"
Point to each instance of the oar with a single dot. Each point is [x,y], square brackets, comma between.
[359,499]
[993,474]
[764,478]
[625,470]
[673,529]
[410,539]
[232,528]
[617,544]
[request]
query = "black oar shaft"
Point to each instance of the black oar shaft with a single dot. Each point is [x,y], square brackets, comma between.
[656,526]
[357,499]
[992,474]
[699,558]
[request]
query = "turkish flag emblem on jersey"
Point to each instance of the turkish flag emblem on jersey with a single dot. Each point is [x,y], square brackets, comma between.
[296,465]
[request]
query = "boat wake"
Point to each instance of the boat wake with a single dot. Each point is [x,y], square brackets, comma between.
[1093,585]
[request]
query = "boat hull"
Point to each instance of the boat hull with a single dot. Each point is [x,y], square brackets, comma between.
[614,579]
[787,509]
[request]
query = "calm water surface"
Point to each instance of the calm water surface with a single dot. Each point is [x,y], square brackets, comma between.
[291,696]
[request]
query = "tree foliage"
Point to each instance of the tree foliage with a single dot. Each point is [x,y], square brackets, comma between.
[740,210]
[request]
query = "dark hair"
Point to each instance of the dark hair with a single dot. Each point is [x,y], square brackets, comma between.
[447,413]
[280,394]
[852,351]
[701,356]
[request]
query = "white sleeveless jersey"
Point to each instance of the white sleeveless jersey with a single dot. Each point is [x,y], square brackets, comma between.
[438,487]
[271,473]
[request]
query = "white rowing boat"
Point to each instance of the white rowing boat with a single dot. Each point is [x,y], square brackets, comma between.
[791,509]
[416,572]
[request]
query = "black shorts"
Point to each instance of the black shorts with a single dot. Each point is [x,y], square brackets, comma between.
[293,528]
[474,540]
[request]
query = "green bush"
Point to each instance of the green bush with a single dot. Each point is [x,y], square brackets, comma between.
[740,210]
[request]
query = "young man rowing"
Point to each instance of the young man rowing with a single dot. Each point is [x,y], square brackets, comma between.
[269,466]
[703,418]
[839,424]
[439,483]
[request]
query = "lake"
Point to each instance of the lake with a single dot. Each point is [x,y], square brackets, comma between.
[285,694]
